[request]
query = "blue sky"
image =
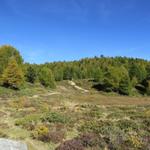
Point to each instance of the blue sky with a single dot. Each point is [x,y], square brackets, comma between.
[53,30]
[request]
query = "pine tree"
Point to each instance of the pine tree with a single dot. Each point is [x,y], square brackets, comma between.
[112,78]
[148,87]
[12,76]
[46,77]
[58,74]
[68,73]
[31,74]
[138,71]
[125,86]
[98,75]
[6,52]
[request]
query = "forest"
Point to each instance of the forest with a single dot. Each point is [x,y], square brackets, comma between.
[125,76]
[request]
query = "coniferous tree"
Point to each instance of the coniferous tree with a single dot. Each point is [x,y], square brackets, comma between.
[68,73]
[112,78]
[125,86]
[13,76]
[148,87]
[58,73]
[6,52]
[137,71]
[31,74]
[46,77]
[98,75]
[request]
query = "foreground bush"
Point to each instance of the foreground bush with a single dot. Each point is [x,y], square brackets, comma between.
[74,144]
[43,133]
[83,142]
[54,117]
[28,121]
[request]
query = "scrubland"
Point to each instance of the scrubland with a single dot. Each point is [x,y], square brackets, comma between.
[67,118]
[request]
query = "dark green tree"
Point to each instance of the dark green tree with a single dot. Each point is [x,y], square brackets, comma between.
[31,74]
[68,73]
[125,86]
[138,71]
[148,87]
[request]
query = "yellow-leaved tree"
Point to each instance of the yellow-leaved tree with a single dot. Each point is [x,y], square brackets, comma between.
[12,76]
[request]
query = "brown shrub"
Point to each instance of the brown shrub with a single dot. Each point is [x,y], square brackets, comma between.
[74,144]
[43,133]
[56,136]
[2,114]
[89,140]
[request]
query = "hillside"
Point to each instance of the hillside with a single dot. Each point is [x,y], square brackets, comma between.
[91,104]
[44,118]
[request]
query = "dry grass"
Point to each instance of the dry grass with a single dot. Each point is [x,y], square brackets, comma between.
[66,100]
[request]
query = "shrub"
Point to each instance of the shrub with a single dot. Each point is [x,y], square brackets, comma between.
[41,133]
[135,141]
[94,113]
[56,136]
[28,121]
[146,142]
[127,125]
[54,117]
[98,127]
[73,144]
[83,142]
[22,102]
[91,140]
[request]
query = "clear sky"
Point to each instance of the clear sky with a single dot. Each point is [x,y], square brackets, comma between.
[52,30]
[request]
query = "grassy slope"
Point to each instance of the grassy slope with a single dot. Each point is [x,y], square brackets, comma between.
[70,102]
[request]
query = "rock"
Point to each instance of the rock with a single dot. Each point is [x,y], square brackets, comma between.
[6,144]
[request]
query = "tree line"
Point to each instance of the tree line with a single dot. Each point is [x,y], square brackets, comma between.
[123,75]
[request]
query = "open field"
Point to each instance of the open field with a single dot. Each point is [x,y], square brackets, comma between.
[68,118]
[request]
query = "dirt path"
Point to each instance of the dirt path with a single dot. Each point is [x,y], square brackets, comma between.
[45,95]
[77,87]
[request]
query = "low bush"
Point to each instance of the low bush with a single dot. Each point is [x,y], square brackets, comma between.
[91,140]
[85,141]
[56,136]
[22,102]
[127,125]
[28,120]
[43,133]
[73,144]
[135,142]
[98,127]
[94,113]
[54,117]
